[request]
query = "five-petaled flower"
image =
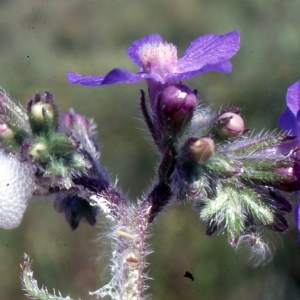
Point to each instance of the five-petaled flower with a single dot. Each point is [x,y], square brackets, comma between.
[160,66]
[290,121]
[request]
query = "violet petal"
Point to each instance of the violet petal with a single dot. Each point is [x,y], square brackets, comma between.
[297,216]
[210,49]
[224,67]
[123,76]
[75,78]
[133,49]
[293,97]
[287,122]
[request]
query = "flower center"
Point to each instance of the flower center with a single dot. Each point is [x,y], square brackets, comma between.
[158,59]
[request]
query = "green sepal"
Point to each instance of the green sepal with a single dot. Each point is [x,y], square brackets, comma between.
[60,171]
[235,207]
[61,144]
[12,112]
[267,164]
[79,162]
[223,165]
[264,171]
[256,144]
[264,177]
[225,210]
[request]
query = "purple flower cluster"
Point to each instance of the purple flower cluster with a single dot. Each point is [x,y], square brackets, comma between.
[238,182]
[173,107]
[160,67]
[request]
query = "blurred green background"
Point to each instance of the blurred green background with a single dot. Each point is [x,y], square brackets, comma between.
[41,40]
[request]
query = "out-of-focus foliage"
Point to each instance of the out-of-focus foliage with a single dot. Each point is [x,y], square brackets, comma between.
[41,40]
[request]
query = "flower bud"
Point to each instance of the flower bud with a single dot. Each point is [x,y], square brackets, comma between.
[5,131]
[81,130]
[72,120]
[230,125]
[35,150]
[76,210]
[292,178]
[176,106]
[42,113]
[199,150]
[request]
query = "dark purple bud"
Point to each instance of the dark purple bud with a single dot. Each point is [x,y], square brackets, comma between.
[176,105]
[230,125]
[291,182]
[77,209]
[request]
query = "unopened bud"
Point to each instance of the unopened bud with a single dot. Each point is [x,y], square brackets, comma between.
[291,174]
[42,113]
[5,131]
[38,150]
[177,105]
[230,125]
[76,210]
[72,119]
[200,150]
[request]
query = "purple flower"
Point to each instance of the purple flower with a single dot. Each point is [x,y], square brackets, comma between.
[290,118]
[158,60]
[290,121]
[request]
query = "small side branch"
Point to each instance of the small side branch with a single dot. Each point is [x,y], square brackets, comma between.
[30,286]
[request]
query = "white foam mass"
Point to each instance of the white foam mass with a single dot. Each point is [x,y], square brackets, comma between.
[16,188]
